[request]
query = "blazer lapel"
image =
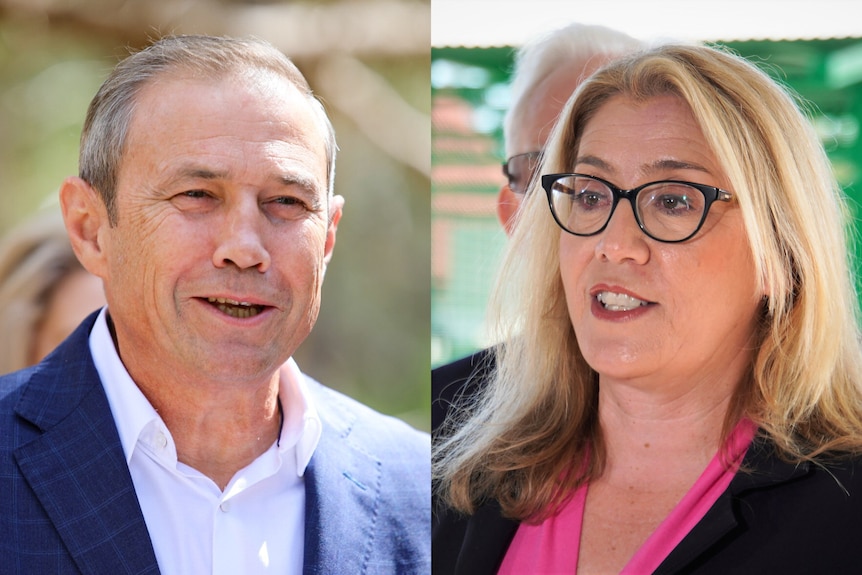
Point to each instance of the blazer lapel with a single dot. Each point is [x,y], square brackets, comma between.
[76,466]
[342,492]
[762,468]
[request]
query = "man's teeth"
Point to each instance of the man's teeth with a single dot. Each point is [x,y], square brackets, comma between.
[618,301]
[233,308]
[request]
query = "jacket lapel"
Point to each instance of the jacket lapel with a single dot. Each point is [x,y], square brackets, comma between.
[761,468]
[342,492]
[76,466]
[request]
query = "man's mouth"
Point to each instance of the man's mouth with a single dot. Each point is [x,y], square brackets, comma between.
[237,309]
[619,301]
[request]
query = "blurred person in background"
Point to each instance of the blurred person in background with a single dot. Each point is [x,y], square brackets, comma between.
[172,432]
[679,383]
[44,291]
[547,70]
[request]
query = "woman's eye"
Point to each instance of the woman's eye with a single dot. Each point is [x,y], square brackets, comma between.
[671,202]
[588,199]
[674,203]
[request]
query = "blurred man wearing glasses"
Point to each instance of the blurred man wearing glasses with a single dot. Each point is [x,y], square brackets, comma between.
[547,71]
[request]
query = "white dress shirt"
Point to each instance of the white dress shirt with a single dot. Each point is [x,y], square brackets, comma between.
[257,524]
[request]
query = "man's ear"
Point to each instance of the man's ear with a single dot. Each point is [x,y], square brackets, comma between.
[336,204]
[507,204]
[87,222]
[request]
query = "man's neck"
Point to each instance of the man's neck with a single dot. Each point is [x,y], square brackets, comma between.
[218,428]
[217,434]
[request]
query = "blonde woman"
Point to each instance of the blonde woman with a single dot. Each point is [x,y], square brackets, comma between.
[44,291]
[679,390]
[547,70]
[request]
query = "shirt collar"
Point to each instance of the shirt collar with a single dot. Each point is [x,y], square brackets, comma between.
[302,427]
[132,412]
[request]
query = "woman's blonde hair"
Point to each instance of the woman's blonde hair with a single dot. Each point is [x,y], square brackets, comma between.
[524,442]
[34,257]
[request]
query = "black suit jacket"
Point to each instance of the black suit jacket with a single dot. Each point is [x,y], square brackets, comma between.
[775,518]
[452,381]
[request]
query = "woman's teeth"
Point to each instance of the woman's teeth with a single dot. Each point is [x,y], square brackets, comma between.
[618,301]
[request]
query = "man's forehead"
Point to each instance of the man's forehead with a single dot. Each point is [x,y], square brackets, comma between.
[265,107]
[543,104]
[259,82]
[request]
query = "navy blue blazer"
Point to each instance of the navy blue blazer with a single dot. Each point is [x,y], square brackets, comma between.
[68,505]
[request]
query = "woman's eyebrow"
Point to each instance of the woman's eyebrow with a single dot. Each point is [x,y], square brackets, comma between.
[595,162]
[671,164]
[656,166]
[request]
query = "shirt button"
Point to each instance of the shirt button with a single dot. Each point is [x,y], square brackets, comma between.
[161,440]
[225,506]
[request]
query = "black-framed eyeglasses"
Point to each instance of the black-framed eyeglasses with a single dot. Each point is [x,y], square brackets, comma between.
[668,211]
[519,169]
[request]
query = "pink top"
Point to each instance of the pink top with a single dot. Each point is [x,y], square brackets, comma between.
[553,545]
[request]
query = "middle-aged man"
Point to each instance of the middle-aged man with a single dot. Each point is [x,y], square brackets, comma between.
[547,71]
[172,432]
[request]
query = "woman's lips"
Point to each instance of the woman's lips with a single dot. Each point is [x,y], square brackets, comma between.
[613,301]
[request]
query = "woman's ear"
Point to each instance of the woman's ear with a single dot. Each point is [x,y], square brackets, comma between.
[86,221]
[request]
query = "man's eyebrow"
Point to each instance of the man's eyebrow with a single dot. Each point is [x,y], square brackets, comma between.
[305,185]
[298,179]
[193,172]
[293,179]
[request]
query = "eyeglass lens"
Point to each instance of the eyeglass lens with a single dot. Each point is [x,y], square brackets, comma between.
[667,211]
[519,169]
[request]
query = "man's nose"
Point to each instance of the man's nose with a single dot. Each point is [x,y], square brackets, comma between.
[240,238]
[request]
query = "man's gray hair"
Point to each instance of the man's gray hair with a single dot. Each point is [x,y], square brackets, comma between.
[570,47]
[110,113]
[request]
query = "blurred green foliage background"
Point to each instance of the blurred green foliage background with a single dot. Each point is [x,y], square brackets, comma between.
[369,62]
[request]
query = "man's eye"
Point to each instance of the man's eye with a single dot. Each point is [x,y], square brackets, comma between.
[289,207]
[289,201]
[192,199]
[292,203]
[195,194]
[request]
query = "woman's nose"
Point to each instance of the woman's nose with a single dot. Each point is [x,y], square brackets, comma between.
[622,239]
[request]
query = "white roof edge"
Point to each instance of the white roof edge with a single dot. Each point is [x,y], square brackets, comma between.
[503,23]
